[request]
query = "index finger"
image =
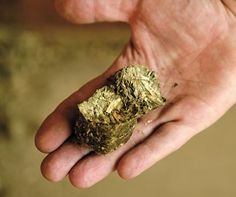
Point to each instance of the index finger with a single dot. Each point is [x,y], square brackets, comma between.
[58,126]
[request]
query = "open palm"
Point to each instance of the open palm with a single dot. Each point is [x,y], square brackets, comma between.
[192,47]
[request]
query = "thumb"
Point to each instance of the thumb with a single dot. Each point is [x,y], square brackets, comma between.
[91,11]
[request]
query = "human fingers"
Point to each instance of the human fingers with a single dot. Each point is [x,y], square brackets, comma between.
[165,140]
[57,127]
[94,168]
[58,163]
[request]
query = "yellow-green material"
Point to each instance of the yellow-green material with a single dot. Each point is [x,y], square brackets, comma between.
[107,119]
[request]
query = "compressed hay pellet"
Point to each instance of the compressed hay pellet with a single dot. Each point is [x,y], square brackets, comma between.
[106,120]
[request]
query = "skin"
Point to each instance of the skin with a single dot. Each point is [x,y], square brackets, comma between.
[190,44]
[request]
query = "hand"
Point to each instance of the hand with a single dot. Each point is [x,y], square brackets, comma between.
[190,44]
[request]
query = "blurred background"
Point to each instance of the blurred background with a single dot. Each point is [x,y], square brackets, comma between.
[39,52]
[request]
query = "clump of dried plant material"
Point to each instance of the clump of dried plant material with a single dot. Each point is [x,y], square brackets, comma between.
[106,120]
